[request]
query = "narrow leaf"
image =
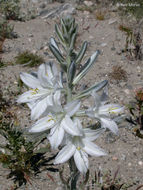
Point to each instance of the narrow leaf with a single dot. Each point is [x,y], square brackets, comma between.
[71,72]
[64,30]
[54,43]
[72,43]
[56,53]
[95,87]
[86,67]
[81,53]
[59,33]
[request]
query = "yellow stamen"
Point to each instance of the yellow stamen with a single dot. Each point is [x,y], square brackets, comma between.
[111,110]
[34,91]
[78,148]
[51,119]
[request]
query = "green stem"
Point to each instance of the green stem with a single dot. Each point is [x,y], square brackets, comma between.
[69,94]
[74,174]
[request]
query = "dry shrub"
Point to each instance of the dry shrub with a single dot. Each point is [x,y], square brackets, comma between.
[100,15]
[118,73]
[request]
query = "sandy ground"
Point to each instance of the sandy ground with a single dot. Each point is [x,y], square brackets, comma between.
[125,151]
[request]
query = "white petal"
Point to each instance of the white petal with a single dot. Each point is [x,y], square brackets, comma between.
[43,124]
[78,123]
[90,112]
[92,149]
[27,97]
[30,80]
[81,161]
[39,108]
[70,127]
[104,96]
[72,107]
[96,99]
[43,76]
[92,135]
[56,136]
[31,104]
[110,124]
[54,70]
[65,154]
[110,108]
[57,100]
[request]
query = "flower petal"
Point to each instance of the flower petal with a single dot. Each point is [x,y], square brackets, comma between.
[70,127]
[56,136]
[81,161]
[92,149]
[30,80]
[65,154]
[92,135]
[110,109]
[72,107]
[43,124]
[31,104]
[43,75]
[27,97]
[110,124]
[40,107]
[57,101]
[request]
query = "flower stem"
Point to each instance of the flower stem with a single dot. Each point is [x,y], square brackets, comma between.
[74,174]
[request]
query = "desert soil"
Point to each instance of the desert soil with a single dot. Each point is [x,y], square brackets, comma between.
[124,151]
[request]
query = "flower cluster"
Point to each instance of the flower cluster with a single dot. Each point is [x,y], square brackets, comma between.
[61,122]
[56,104]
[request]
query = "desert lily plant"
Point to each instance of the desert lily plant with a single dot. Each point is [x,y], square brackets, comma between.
[56,104]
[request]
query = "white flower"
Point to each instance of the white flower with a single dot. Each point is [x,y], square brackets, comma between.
[80,147]
[45,88]
[58,123]
[103,111]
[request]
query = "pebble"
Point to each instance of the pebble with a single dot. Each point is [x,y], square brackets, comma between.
[114,158]
[111,21]
[42,5]
[138,69]
[140,163]
[91,37]
[34,51]
[46,48]
[29,39]
[129,164]
[88,3]
[30,35]
[122,84]
[103,44]
[123,157]
[127,91]
[86,12]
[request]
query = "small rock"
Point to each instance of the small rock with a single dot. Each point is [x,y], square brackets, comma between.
[129,164]
[42,5]
[103,44]
[127,91]
[123,157]
[140,163]
[122,84]
[29,39]
[30,35]
[138,69]
[86,12]
[111,21]
[46,48]
[114,158]
[91,37]
[88,3]
[34,51]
